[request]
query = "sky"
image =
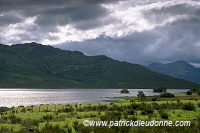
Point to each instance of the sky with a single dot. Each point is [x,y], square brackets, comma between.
[135,31]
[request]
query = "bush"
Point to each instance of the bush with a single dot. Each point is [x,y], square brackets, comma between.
[195,90]
[115,107]
[14,119]
[167,94]
[161,89]
[156,106]
[149,110]
[133,106]
[178,101]
[3,109]
[111,116]
[23,110]
[68,109]
[164,115]
[189,93]
[48,128]
[141,96]
[47,117]
[124,91]
[188,106]
[154,99]
[198,104]
[103,107]
[131,112]
[133,118]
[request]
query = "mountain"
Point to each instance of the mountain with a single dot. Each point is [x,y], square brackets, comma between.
[33,65]
[179,69]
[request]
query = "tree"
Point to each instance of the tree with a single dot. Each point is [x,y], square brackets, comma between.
[161,89]
[189,92]
[141,96]
[124,91]
[195,89]
[167,94]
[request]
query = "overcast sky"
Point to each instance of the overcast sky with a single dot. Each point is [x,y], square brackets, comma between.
[136,31]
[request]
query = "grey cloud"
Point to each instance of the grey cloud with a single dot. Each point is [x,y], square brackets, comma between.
[128,48]
[59,12]
[177,40]
[84,13]
[170,42]
[7,19]
[53,2]
[174,9]
[77,16]
[52,20]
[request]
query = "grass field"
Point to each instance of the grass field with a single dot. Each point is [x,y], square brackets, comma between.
[69,118]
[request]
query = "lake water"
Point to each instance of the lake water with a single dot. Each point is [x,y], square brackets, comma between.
[27,97]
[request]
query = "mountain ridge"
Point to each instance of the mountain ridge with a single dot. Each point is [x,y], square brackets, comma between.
[179,69]
[33,65]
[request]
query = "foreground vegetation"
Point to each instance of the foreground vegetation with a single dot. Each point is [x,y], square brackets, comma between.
[69,118]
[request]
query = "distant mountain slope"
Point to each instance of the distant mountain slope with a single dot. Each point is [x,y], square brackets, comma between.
[38,66]
[179,69]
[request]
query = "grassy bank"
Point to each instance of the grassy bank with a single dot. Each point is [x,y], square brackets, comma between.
[69,118]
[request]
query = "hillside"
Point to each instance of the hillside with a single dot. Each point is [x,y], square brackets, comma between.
[34,65]
[179,69]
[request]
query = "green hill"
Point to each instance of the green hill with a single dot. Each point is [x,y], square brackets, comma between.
[179,69]
[34,65]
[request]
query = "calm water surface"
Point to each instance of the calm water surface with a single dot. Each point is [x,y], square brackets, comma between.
[27,97]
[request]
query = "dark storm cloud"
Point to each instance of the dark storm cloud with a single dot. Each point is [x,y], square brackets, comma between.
[59,12]
[9,19]
[72,15]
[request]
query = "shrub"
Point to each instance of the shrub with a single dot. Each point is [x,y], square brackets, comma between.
[48,117]
[68,109]
[195,89]
[141,96]
[189,93]
[154,99]
[167,94]
[23,110]
[115,107]
[103,107]
[164,115]
[48,128]
[161,89]
[133,106]
[143,112]
[131,100]
[80,128]
[188,106]
[131,112]
[124,91]
[178,101]
[14,119]
[111,116]
[3,109]
[155,106]
[149,110]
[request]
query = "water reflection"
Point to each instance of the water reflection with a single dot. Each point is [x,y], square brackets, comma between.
[27,97]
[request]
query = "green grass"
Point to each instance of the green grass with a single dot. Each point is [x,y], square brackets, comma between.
[69,118]
[184,93]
